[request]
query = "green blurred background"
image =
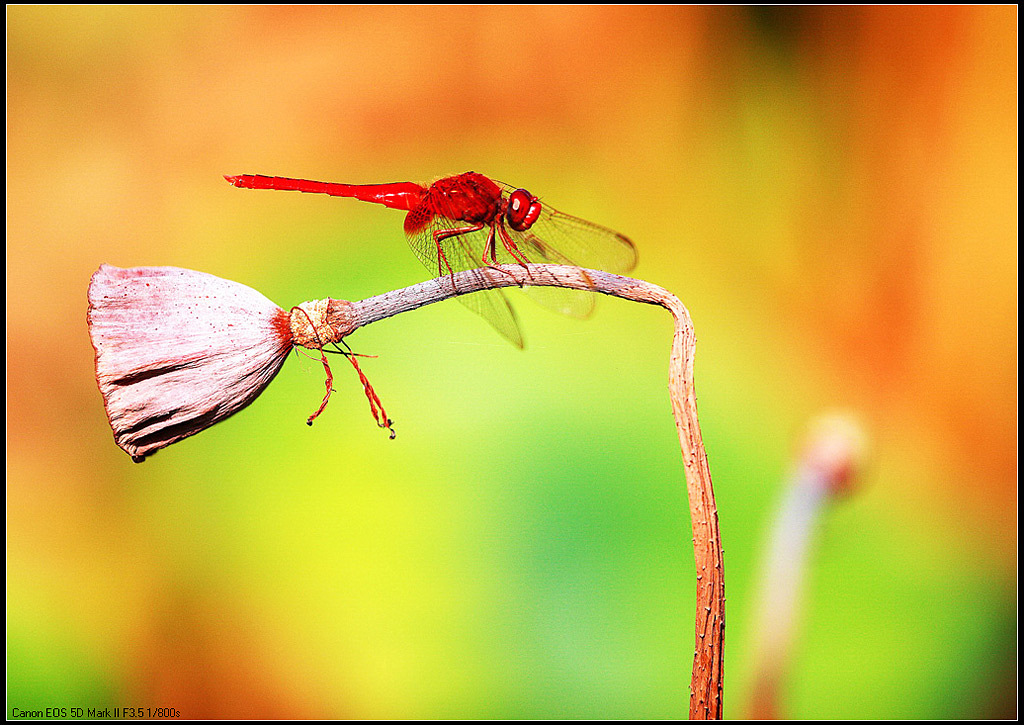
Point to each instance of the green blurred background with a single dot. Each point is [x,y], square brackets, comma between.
[831,191]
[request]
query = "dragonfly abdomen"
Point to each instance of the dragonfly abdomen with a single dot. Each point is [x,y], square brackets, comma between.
[403,195]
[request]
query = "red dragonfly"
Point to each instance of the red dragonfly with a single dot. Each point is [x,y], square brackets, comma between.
[470,221]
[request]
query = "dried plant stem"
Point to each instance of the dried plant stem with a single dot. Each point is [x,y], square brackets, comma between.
[706,679]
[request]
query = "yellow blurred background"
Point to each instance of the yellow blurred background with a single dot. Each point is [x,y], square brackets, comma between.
[831,191]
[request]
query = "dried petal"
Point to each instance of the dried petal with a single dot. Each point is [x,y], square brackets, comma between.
[178,350]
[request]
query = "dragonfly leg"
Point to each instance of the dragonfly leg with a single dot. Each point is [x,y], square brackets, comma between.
[442,234]
[510,246]
[491,248]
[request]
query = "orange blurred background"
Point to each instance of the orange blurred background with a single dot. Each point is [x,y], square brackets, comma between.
[832,193]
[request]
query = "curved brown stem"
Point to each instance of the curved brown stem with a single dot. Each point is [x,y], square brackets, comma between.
[706,678]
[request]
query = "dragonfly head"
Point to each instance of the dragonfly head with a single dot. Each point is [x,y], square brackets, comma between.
[522,210]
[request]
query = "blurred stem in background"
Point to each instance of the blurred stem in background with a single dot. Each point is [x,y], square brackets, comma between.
[827,467]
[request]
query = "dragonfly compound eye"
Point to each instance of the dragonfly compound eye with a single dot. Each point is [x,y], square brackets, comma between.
[523,210]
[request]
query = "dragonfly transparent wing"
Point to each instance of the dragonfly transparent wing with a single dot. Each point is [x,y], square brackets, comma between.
[555,238]
[559,238]
[465,252]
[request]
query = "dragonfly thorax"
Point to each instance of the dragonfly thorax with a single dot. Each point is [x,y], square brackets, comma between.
[476,199]
[469,197]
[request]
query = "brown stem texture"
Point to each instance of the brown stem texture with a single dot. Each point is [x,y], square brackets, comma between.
[706,677]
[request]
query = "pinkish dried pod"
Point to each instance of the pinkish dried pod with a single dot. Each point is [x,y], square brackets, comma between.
[177,351]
